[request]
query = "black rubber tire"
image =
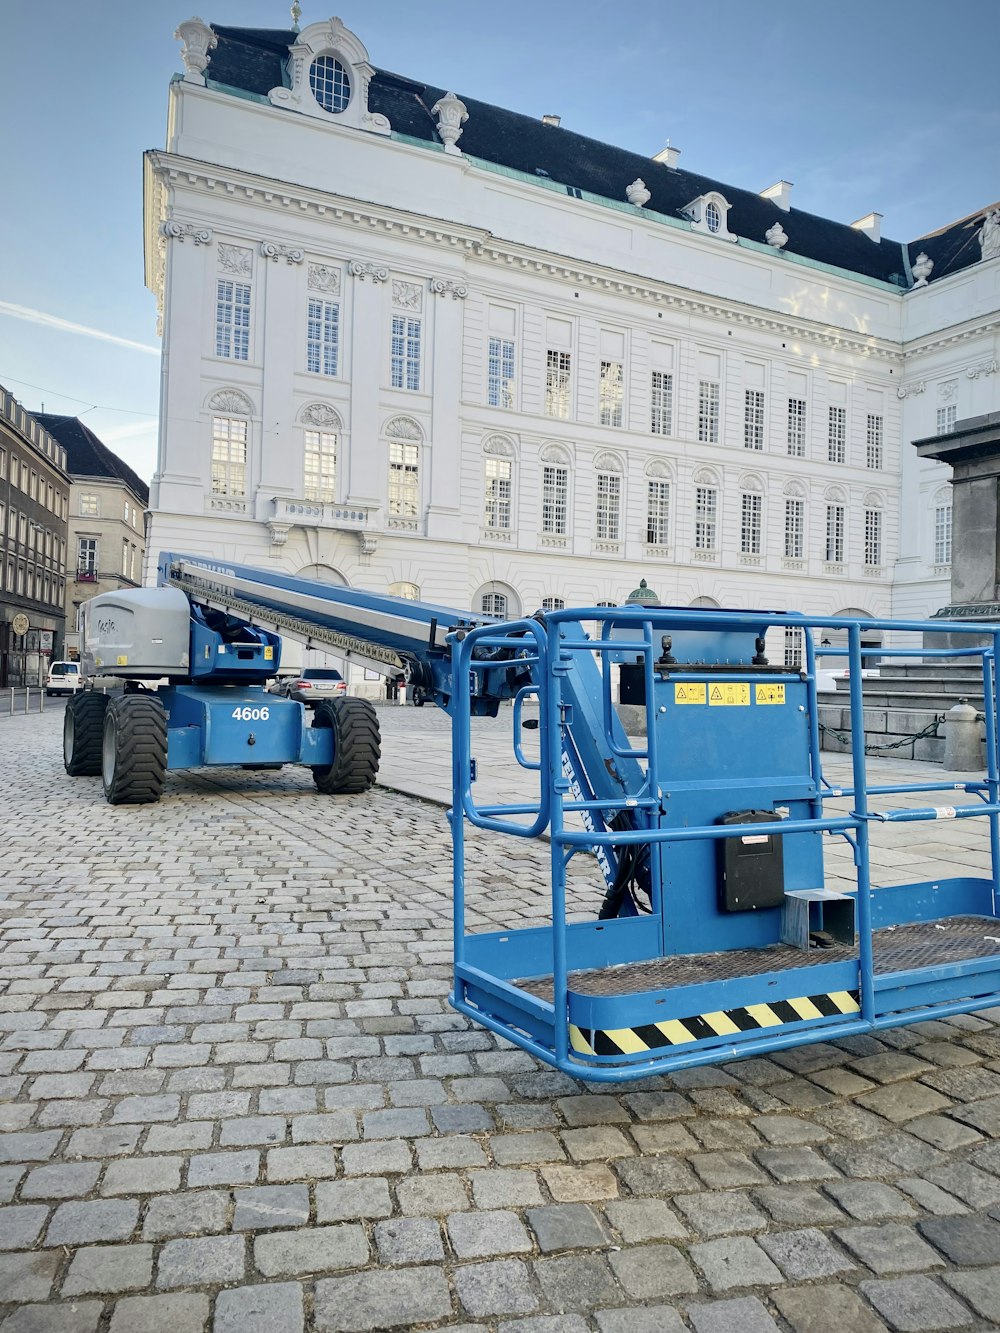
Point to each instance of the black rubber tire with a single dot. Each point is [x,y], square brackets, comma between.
[134,750]
[83,734]
[356,746]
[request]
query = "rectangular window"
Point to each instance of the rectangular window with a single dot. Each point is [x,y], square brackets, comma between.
[661,415]
[3,464]
[232,320]
[873,441]
[609,491]
[658,513]
[125,558]
[835,534]
[793,648]
[797,427]
[555,491]
[320,472]
[750,513]
[795,523]
[498,489]
[612,395]
[753,419]
[323,337]
[553,604]
[404,478]
[405,353]
[126,511]
[86,556]
[705,502]
[942,535]
[558,374]
[873,536]
[946,417]
[229,456]
[708,412]
[836,442]
[500,373]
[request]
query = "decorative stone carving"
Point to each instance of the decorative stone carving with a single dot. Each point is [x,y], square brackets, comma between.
[279,532]
[232,402]
[445,286]
[637,194]
[452,114]
[775,236]
[988,367]
[235,259]
[330,38]
[321,414]
[406,295]
[367,543]
[198,39]
[360,269]
[404,428]
[922,266]
[499,446]
[177,231]
[905,390]
[324,278]
[290,254]
[948,391]
[989,234]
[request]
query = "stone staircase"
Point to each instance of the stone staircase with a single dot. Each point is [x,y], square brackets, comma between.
[902,701]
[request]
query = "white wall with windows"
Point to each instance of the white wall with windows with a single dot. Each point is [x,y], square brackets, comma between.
[361,376]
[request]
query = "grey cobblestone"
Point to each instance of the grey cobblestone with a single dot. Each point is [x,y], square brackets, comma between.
[366,1301]
[109,1268]
[913,1304]
[208,1259]
[100,1220]
[275,1308]
[311,1250]
[173,1312]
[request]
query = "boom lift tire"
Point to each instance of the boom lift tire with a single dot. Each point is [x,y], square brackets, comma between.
[134,750]
[356,746]
[83,731]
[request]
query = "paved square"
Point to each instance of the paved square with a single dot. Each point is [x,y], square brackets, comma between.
[233,1096]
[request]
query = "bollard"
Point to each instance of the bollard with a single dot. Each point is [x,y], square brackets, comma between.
[962,746]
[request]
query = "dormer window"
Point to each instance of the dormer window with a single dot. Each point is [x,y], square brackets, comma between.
[709,214]
[330,84]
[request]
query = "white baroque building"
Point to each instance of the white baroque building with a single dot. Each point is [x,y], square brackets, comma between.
[416,342]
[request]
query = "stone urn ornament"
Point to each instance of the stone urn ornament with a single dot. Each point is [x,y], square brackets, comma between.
[452,114]
[637,193]
[922,266]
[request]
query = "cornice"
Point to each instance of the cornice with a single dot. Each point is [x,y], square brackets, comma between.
[169,170]
[957,334]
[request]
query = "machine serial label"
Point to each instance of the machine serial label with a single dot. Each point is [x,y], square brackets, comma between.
[690,694]
[769,694]
[732,694]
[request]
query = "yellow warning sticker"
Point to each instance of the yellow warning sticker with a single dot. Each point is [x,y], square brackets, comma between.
[691,693]
[122,661]
[269,654]
[733,694]
[770,694]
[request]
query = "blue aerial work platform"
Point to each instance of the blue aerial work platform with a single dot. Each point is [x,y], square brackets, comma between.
[717,934]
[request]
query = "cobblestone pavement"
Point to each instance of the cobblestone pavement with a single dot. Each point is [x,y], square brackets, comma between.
[233,1097]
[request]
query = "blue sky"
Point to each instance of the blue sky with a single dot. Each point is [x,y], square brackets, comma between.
[882,105]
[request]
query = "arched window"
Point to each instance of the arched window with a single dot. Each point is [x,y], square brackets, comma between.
[497,599]
[553,604]
[608,511]
[405,439]
[409,591]
[498,483]
[320,449]
[555,490]
[658,487]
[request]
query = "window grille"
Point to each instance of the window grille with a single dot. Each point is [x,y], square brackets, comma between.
[753,419]
[836,447]
[750,516]
[498,493]
[320,471]
[608,505]
[793,648]
[494,604]
[708,412]
[555,492]
[874,441]
[232,320]
[404,478]
[558,368]
[86,555]
[835,534]
[500,373]
[658,513]
[323,337]
[229,456]
[612,396]
[942,535]
[873,536]
[553,604]
[90,505]
[794,529]
[330,83]
[705,508]
[661,403]
[405,353]
[946,417]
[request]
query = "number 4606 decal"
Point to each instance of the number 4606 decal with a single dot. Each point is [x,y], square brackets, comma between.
[248,714]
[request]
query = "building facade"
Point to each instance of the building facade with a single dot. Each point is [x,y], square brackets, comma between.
[419,343]
[34,506]
[106,523]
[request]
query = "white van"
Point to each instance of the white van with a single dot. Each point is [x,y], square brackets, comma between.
[63,678]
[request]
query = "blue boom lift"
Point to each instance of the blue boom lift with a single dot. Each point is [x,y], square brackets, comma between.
[717,934]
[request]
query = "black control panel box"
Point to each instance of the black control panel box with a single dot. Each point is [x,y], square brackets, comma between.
[751,866]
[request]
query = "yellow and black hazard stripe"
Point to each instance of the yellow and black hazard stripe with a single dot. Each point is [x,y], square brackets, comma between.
[720,1023]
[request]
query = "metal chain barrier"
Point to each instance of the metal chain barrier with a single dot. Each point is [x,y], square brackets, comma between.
[930,731]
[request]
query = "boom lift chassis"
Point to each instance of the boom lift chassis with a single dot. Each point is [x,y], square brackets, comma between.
[718,935]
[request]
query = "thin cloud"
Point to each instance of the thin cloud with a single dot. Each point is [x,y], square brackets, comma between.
[130,430]
[67,326]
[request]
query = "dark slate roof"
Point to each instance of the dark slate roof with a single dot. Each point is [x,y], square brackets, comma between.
[86,456]
[953,247]
[252,60]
